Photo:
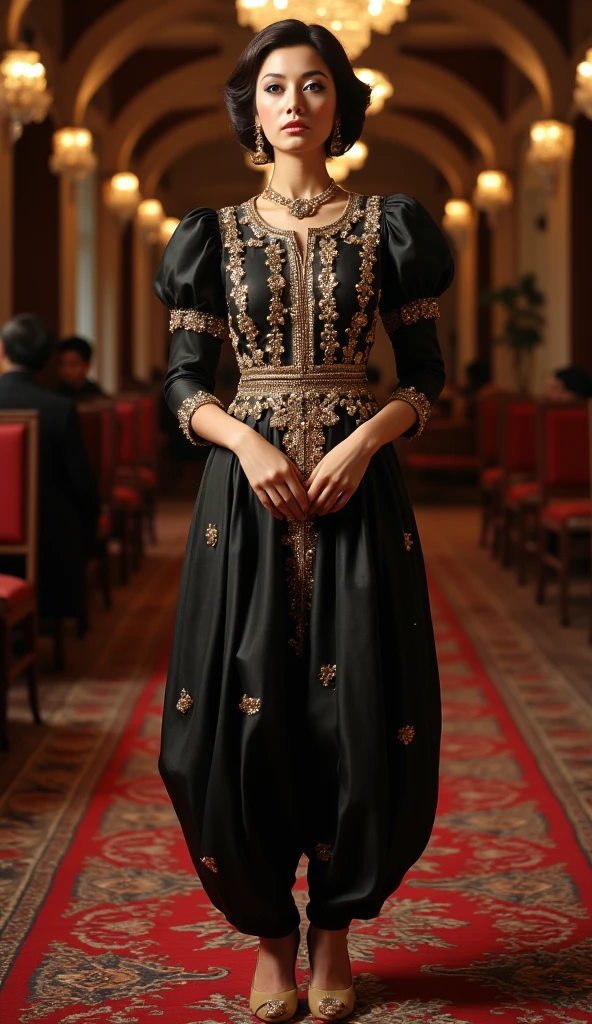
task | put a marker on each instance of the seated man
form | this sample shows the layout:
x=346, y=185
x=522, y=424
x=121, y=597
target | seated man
x=68, y=497
x=571, y=384
x=75, y=360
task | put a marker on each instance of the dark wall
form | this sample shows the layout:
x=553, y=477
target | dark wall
x=36, y=226
x=581, y=235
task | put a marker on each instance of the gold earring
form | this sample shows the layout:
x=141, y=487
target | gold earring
x=336, y=141
x=259, y=156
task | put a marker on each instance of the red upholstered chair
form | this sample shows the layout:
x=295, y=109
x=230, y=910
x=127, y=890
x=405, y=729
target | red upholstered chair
x=490, y=474
x=127, y=495
x=520, y=491
x=565, y=520
x=96, y=419
x=19, y=459
x=148, y=450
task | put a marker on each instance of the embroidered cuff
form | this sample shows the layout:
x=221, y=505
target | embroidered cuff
x=202, y=323
x=421, y=309
x=186, y=410
x=419, y=402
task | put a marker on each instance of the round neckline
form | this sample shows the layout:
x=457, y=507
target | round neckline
x=353, y=199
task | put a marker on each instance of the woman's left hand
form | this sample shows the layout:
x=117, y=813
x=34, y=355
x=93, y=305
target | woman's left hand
x=335, y=478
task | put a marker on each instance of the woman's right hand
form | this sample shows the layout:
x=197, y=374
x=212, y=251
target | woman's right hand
x=276, y=480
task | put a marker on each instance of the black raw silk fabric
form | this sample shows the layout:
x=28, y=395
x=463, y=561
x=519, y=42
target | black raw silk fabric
x=345, y=772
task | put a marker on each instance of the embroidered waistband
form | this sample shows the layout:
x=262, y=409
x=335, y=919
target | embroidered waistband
x=287, y=379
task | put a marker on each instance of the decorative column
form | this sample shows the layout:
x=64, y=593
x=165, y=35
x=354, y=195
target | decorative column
x=503, y=271
x=6, y=223
x=121, y=196
x=559, y=273
x=68, y=255
x=461, y=225
x=142, y=354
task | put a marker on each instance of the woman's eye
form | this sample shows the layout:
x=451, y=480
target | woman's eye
x=317, y=86
x=271, y=87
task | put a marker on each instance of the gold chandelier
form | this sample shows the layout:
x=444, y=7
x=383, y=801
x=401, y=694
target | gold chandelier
x=551, y=148
x=583, y=89
x=352, y=21
x=73, y=155
x=24, y=96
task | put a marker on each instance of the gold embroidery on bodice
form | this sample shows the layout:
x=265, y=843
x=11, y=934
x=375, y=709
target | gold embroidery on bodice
x=303, y=396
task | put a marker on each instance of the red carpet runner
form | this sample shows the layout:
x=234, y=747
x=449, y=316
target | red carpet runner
x=493, y=921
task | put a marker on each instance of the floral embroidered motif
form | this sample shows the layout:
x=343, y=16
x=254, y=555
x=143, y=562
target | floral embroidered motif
x=250, y=705
x=193, y=320
x=185, y=702
x=186, y=410
x=364, y=288
x=407, y=732
x=210, y=863
x=408, y=541
x=212, y=535
x=327, y=305
x=277, y=310
x=419, y=402
x=236, y=248
x=421, y=309
x=323, y=851
x=327, y=674
x=301, y=538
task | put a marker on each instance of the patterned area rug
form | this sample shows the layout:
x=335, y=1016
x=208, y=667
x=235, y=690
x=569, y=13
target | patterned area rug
x=493, y=921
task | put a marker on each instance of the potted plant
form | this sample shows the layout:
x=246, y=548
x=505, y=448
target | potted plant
x=522, y=330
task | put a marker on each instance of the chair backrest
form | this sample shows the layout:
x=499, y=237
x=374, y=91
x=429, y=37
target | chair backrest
x=147, y=405
x=97, y=418
x=487, y=428
x=19, y=486
x=518, y=435
x=127, y=411
x=564, y=449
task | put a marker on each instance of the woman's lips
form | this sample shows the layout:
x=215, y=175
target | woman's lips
x=295, y=129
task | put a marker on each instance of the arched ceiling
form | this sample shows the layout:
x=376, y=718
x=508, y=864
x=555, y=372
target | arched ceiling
x=432, y=102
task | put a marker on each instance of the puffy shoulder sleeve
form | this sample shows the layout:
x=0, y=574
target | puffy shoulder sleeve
x=416, y=267
x=190, y=283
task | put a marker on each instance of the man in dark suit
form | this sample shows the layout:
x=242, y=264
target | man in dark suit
x=74, y=366
x=68, y=497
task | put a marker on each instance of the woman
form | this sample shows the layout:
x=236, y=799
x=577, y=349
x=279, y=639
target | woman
x=302, y=709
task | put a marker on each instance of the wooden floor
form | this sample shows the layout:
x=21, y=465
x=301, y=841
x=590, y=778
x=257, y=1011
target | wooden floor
x=123, y=643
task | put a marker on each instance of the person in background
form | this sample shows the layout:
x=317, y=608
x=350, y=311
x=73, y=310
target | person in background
x=75, y=360
x=68, y=497
x=571, y=384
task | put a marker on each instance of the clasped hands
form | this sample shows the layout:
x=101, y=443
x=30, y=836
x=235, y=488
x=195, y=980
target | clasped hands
x=281, y=488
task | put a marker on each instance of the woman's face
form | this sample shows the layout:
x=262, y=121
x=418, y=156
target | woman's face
x=295, y=99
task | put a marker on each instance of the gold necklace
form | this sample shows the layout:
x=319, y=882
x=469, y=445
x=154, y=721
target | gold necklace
x=302, y=207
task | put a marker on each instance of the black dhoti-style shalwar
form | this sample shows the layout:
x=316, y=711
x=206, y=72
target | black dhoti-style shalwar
x=302, y=708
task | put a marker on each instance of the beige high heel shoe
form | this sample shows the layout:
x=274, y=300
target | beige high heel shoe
x=329, y=1004
x=275, y=1006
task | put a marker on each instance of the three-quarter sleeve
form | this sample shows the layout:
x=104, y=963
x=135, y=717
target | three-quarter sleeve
x=190, y=283
x=416, y=267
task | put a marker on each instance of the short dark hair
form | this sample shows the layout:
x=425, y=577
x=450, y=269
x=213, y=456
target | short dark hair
x=28, y=341
x=77, y=344
x=353, y=95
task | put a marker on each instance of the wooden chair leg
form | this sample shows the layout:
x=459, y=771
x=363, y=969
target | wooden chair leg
x=541, y=566
x=485, y=517
x=32, y=670
x=565, y=559
x=4, y=678
x=506, y=544
x=521, y=538
x=59, y=662
x=105, y=576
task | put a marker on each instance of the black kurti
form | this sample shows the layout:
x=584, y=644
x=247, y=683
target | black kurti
x=302, y=709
